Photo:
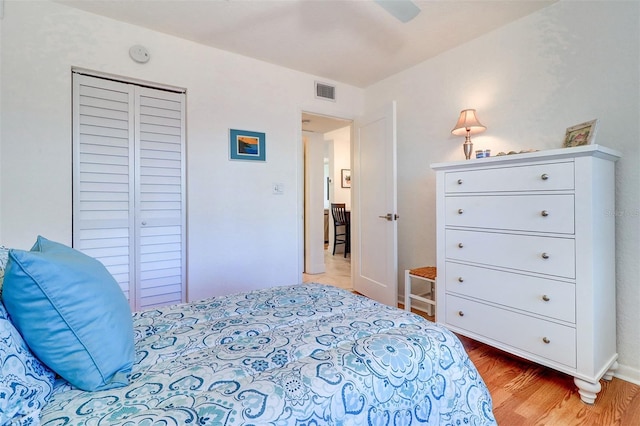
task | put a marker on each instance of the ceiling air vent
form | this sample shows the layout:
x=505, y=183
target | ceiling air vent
x=325, y=91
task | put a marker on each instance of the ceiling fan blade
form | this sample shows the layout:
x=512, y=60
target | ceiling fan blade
x=403, y=10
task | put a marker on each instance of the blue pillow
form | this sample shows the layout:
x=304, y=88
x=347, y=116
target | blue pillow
x=25, y=384
x=72, y=314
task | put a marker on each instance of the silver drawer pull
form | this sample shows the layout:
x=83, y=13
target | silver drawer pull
x=545, y=298
x=544, y=213
x=545, y=256
x=460, y=211
x=546, y=340
x=460, y=279
x=459, y=181
x=460, y=313
x=544, y=176
x=460, y=245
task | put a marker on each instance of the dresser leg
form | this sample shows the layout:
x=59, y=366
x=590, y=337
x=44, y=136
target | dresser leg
x=588, y=391
x=610, y=372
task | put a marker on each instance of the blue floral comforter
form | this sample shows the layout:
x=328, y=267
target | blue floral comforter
x=296, y=355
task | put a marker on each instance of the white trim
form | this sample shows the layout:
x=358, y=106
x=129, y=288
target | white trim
x=123, y=79
x=628, y=374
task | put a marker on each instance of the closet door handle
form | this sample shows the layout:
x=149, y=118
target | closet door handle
x=460, y=211
x=544, y=213
x=460, y=245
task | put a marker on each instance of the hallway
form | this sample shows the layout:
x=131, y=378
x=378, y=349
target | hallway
x=337, y=271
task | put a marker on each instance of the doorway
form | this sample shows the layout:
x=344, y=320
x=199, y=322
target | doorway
x=327, y=148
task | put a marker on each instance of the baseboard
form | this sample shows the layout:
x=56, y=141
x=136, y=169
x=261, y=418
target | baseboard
x=628, y=374
x=318, y=268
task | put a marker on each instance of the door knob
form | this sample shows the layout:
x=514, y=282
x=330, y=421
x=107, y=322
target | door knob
x=388, y=216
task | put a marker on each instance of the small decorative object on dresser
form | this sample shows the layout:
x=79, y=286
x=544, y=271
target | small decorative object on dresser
x=526, y=257
x=581, y=134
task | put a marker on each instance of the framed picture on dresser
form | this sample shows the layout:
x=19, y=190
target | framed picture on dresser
x=580, y=134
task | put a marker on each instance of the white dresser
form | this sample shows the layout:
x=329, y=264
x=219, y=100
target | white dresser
x=526, y=257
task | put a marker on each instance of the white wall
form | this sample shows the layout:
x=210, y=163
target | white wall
x=240, y=235
x=566, y=64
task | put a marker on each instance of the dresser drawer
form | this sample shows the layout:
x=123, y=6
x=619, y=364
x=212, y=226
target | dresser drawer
x=550, y=298
x=544, y=255
x=538, y=213
x=534, y=177
x=539, y=337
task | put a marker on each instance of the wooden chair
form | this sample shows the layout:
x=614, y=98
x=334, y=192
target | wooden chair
x=341, y=227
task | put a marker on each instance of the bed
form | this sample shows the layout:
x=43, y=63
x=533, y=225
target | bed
x=307, y=354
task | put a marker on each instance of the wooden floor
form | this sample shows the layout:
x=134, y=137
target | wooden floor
x=525, y=393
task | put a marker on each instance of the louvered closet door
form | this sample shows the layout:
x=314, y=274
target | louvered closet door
x=103, y=171
x=129, y=186
x=160, y=202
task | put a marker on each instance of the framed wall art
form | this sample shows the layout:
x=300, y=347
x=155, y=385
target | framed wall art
x=246, y=145
x=345, y=175
x=580, y=134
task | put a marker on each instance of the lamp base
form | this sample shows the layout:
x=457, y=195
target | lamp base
x=467, y=146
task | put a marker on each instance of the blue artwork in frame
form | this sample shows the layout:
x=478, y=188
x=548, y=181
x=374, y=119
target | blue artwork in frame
x=245, y=145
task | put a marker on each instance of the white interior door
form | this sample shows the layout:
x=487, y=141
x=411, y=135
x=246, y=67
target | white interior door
x=103, y=176
x=160, y=197
x=313, y=203
x=374, y=230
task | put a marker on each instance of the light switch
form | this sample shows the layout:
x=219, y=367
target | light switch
x=278, y=188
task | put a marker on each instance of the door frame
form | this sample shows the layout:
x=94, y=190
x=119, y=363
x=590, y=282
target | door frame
x=137, y=88
x=301, y=171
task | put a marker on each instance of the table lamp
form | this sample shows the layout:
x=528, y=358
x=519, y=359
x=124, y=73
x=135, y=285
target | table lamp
x=468, y=123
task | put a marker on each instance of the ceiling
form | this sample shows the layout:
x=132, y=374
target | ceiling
x=350, y=41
